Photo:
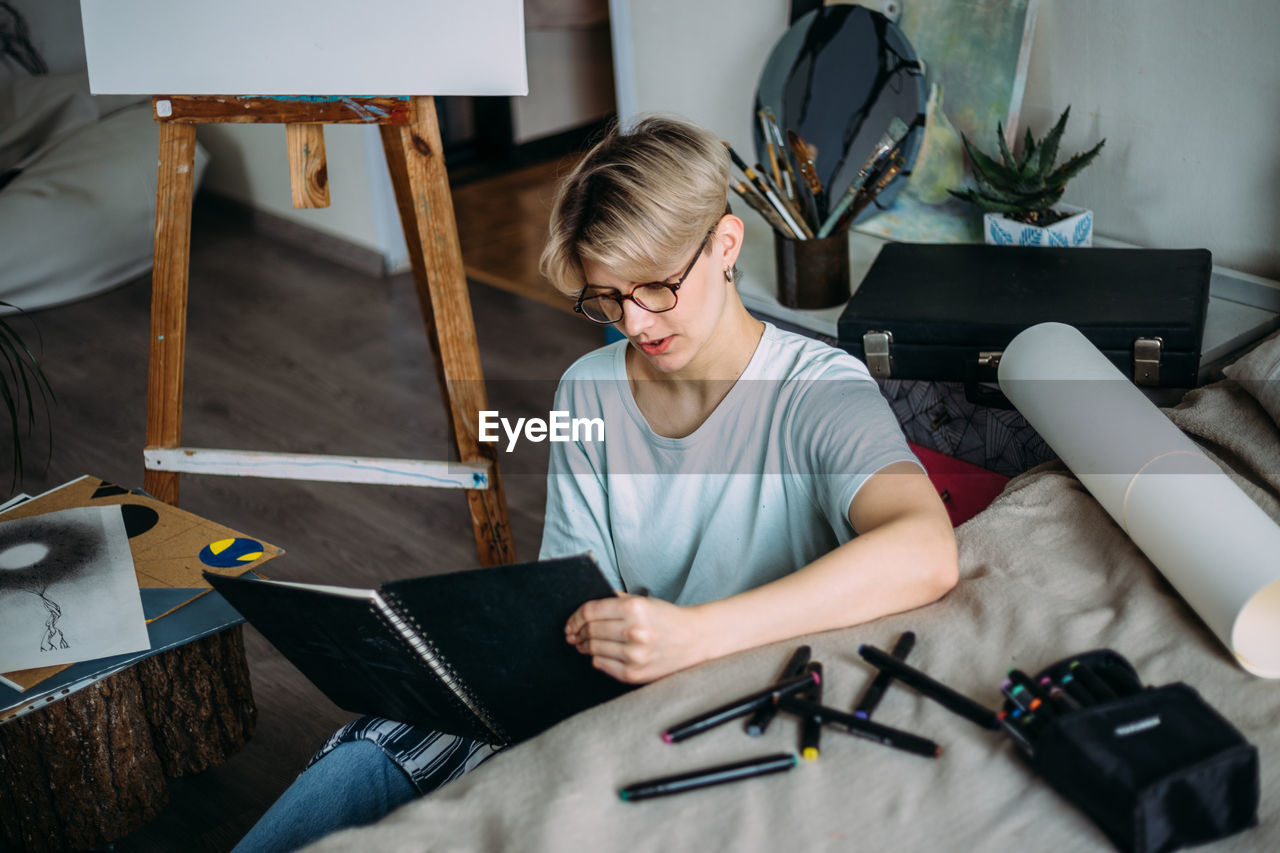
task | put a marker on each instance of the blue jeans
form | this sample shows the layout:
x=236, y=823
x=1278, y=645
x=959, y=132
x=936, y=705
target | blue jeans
x=353, y=785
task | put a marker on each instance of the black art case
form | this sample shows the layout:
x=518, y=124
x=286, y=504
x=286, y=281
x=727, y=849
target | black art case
x=1156, y=768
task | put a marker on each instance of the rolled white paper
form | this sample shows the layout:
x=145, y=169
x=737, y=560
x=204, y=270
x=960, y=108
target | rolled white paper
x=1217, y=548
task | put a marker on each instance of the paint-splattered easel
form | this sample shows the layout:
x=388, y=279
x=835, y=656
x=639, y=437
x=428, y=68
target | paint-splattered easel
x=411, y=140
x=93, y=766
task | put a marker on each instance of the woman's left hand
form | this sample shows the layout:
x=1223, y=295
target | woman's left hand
x=637, y=639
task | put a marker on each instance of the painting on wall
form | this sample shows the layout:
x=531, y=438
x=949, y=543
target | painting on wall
x=976, y=54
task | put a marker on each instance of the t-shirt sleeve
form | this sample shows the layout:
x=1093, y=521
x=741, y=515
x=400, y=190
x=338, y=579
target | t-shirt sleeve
x=841, y=432
x=577, y=517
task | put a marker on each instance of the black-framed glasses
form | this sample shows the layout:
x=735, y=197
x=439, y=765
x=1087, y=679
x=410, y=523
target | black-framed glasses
x=655, y=297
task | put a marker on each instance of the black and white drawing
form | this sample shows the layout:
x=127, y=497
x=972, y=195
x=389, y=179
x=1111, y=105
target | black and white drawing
x=68, y=591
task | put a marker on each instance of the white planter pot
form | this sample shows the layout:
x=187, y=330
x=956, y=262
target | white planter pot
x=1074, y=231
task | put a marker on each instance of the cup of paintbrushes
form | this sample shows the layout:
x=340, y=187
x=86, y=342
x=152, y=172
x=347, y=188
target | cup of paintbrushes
x=812, y=273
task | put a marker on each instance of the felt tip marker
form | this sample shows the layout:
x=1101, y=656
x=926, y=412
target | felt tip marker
x=865, y=729
x=1019, y=739
x=875, y=691
x=1076, y=690
x=1019, y=677
x=1060, y=698
x=765, y=713
x=811, y=724
x=946, y=697
x=709, y=776
x=740, y=707
x=1091, y=681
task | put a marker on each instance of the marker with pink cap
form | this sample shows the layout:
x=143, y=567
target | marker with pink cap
x=740, y=707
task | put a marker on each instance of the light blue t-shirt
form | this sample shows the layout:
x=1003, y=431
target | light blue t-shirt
x=760, y=489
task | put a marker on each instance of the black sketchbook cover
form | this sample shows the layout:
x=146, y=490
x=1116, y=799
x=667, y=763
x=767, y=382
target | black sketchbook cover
x=479, y=653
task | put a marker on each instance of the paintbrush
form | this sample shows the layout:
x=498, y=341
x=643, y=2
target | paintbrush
x=880, y=154
x=809, y=185
x=789, y=178
x=758, y=204
x=797, y=215
x=889, y=173
x=768, y=147
x=770, y=196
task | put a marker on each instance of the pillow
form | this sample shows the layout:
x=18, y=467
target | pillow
x=1259, y=374
x=80, y=218
x=34, y=111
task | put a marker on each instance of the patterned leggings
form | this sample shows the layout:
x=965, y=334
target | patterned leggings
x=429, y=758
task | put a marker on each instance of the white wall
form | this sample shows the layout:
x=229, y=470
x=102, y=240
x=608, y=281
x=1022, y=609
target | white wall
x=570, y=81
x=250, y=164
x=1186, y=92
x=700, y=59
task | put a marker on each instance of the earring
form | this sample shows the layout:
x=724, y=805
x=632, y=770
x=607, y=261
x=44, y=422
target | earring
x=728, y=274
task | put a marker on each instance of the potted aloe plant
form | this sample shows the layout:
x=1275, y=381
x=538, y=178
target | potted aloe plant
x=1020, y=195
x=21, y=381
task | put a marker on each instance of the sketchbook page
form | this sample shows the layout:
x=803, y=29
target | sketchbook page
x=345, y=591
x=1217, y=548
x=68, y=592
x=202, y=617
x=171, y=547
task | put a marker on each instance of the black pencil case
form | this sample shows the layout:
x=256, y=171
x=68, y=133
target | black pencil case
x=1156, y=768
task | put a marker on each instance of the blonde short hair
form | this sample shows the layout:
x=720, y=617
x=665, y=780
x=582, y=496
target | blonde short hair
x=638, y=203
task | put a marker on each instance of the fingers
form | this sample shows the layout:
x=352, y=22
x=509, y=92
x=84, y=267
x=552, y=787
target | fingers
x=625, y=672
x=604, y=610
x=619, y=635
x=623, y=661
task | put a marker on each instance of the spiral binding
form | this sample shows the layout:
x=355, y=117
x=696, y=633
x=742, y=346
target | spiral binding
x=416, y=639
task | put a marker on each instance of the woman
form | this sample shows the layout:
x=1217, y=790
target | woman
x=753, y=481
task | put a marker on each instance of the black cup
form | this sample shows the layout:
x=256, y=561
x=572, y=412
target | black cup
x=812, y=273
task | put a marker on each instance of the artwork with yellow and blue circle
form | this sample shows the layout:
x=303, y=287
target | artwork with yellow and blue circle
x=229, y=553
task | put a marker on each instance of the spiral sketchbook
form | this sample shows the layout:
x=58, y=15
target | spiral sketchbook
x=478, y=653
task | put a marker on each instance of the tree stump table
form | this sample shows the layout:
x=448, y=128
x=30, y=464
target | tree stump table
x=93, y=766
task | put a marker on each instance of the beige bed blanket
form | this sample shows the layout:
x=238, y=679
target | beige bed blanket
x=1044, y=573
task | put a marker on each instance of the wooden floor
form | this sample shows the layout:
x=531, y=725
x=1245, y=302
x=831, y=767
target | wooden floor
x=502, y=223
x=289, y=352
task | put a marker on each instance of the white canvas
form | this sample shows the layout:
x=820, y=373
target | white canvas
x=68, y=591
x=305, y=47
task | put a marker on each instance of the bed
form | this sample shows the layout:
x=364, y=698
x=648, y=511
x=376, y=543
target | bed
x=1044, y=573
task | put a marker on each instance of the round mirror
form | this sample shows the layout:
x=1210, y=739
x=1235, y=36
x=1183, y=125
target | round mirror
x=836, y=81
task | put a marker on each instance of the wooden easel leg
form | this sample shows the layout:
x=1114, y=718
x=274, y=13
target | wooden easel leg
x=415, y=158
x=174, y=183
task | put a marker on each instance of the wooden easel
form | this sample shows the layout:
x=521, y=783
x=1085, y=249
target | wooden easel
x=411, y=140
x=92, y=767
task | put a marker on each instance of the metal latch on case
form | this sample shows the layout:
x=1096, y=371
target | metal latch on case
x=1146, y=360
x=875, y=351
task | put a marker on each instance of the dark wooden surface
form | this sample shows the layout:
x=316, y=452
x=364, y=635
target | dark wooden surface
x=289, y=352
